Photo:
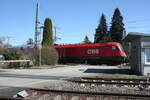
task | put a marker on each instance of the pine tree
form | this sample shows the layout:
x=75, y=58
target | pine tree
x=47, y=33
x=101, y=31
x=117, y=26
x=86, y=40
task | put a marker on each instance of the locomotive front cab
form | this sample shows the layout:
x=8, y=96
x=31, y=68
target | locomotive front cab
x=122, y=55
x=117, y=53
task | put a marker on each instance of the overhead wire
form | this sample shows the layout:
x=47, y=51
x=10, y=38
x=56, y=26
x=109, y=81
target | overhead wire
x=130, y=25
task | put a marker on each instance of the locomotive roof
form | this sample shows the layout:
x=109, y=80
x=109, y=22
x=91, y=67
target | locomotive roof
x=91, y=44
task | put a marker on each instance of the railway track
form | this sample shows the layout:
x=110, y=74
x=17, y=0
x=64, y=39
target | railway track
x=119, y=95
x=89, y=89
x=110, y=81
x=48, y=94
x=114, y=83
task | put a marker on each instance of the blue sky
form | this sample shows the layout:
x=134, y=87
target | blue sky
x=75, y=18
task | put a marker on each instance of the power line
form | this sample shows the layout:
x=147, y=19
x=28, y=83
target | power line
x=138, y=21
x=115, y=3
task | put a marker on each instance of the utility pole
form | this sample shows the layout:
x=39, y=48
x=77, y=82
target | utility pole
x=38, y=34
x=55, y=34
x=37, y=31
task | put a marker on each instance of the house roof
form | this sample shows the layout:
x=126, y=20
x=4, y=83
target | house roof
x=134, y=35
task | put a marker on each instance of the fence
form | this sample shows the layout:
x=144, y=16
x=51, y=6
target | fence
x=15, y=63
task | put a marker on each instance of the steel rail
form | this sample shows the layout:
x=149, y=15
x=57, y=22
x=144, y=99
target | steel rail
x=117, y=79
x=118, y=83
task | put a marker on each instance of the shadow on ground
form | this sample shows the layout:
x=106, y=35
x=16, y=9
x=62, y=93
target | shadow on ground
x=109, y=71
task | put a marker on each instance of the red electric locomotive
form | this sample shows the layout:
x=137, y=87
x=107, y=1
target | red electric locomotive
x=97, y=53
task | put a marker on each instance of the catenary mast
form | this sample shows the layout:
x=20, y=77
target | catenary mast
x=37, y=30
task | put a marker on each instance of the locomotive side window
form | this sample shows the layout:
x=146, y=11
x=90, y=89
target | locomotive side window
x=114, y=48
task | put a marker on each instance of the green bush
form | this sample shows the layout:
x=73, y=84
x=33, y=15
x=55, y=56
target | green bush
x=33, y=55
x=49, y=55
x=12, y=55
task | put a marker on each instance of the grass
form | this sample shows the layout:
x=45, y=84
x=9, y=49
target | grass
x=124, y=67
x=119, y=76
x=1, y=70
x=45, y=67
x=32, y=67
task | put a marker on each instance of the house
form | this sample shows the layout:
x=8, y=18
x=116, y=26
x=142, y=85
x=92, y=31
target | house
x=140, y=52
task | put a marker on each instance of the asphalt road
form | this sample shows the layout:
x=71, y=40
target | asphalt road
x=27, y=77
x=37, y=77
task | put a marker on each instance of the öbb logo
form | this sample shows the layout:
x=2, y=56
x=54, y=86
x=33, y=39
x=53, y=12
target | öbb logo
x=93, y=51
